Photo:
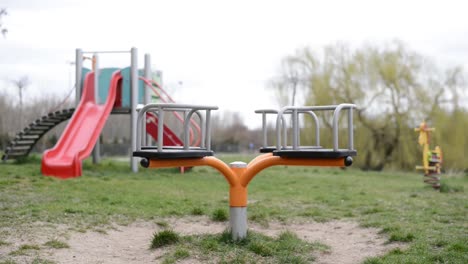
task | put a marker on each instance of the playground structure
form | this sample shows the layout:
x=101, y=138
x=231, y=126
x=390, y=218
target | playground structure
x=99, y=92
x=431, y=159
x=239, y=174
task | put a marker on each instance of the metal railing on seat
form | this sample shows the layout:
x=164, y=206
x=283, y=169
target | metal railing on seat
x=160, y=151
x=295, y=149
x=265, y=112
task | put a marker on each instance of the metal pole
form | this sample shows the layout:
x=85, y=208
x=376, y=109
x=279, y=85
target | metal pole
x=350, y=129
x=133, y=105
x=147, y=94
x=96, y=77
x=78, y=69
x=97, y=146
x=238, y=214
x=264, y=128
x=186, y=129
x=295, y=128
x=160, y=129
x=208, y=130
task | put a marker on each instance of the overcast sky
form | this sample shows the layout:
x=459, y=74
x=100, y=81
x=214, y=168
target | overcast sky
x=215, y=52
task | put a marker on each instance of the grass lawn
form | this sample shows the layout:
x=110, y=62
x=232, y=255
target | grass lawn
x=433, y=224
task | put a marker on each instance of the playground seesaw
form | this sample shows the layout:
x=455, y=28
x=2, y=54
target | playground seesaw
x=239, y=174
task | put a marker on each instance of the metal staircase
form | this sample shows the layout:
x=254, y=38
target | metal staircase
x=25, y=140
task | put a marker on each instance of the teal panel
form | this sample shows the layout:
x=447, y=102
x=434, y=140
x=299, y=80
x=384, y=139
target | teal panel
x=105, y=75
x=104, y=81
x=126, y=87
x=84, y=71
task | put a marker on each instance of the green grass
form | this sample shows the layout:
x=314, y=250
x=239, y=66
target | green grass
x=7, y=261
x=4, y=243
x=219, y=215
x=197, y=211
x=431, y=223
x=54, y=243
x=164, y=238
x=175, y=255
x=447, y=188
x=255, y=248
x=24, y=250
x=42, y=261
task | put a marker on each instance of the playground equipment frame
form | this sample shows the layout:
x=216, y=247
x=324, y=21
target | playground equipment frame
x=239, y=174
x=79, y=56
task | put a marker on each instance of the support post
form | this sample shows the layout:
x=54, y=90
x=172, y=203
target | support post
x=133, y=105
x=350, y=129
x=264, y=128
x=238, y=214
x=147, y=94
x=96, y=77
x=295, y=127
x=97, y=146
x=78, y=77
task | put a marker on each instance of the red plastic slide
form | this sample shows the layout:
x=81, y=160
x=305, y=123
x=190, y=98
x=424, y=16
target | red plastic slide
x=82, y=132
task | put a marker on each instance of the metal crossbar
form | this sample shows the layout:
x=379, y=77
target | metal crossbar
x=294, y=111
x=106, y=51
x=310, y=109
x=189, y=111
x=265, y=112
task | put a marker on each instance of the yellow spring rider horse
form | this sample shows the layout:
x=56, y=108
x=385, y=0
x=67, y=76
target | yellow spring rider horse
x=432, y=159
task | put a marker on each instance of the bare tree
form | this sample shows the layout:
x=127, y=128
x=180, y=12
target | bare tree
x=290, y=80
x=3, y=30
x=21, y=83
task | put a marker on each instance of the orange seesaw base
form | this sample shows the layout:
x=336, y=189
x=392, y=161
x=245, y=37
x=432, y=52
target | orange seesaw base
x=239, y=177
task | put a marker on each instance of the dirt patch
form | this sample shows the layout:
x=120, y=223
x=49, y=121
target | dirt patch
x=349, y=243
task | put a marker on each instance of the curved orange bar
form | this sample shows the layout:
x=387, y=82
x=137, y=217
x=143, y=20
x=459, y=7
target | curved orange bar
x=239, y=178
x=206, y=161
x=237, y=192
x=260, y=157
x=222, y=167
x=255, y=167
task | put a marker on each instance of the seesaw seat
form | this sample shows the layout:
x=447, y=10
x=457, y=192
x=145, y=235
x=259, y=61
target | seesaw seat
x=270, y=149
x=295, y=150
x=315, y=153
x=172, y=153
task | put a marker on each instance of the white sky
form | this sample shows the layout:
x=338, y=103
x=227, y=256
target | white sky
x=223, y=52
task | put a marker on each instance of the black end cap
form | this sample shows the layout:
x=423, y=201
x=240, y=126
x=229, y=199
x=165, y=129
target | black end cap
x=144, y=163
x=348, y=161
